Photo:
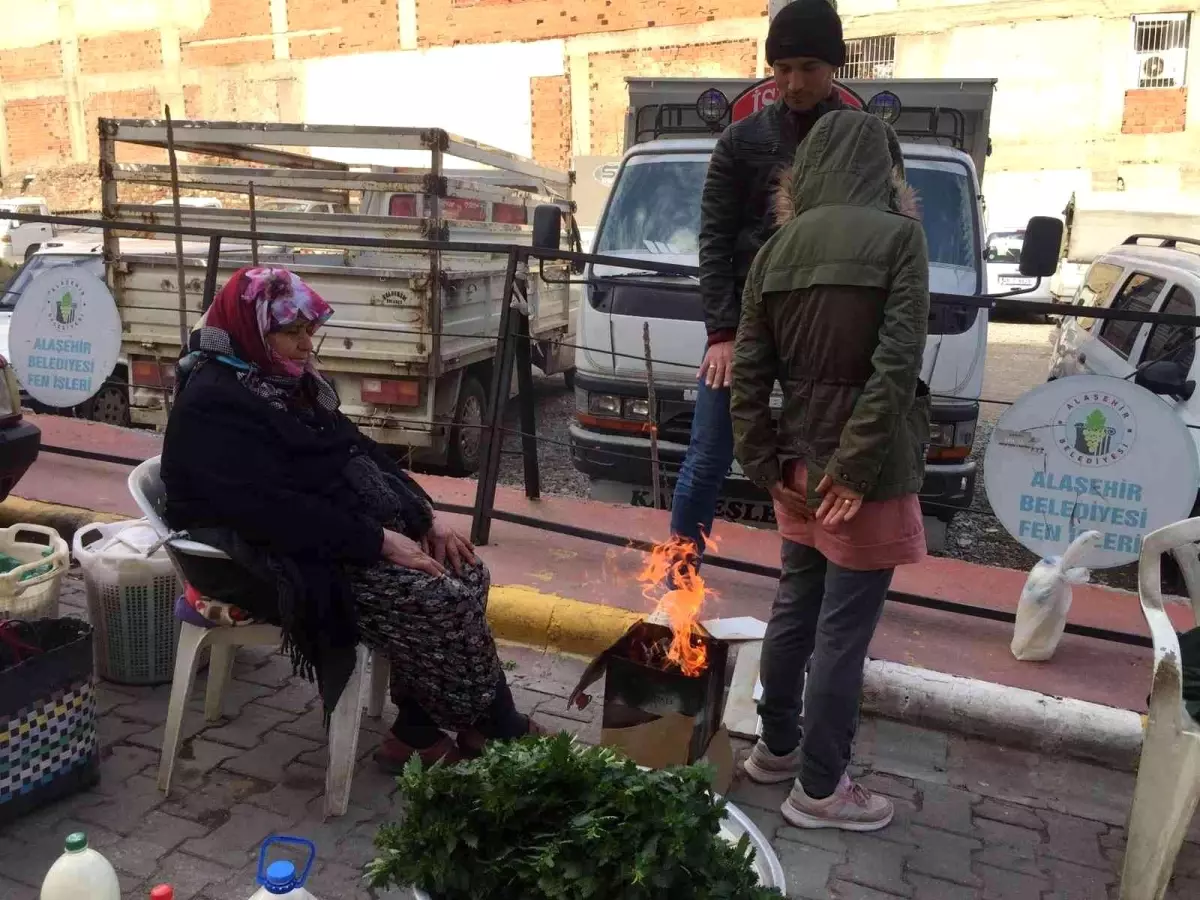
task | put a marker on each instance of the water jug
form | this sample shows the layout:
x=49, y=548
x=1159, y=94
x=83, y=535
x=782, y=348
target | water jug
x=279, y=878
x=80, y=874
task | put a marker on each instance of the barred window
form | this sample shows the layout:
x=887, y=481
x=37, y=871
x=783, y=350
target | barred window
x=1160, y=50
x=870, y=57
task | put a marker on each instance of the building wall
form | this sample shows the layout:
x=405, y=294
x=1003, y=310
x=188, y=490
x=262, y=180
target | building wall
x=545, y=77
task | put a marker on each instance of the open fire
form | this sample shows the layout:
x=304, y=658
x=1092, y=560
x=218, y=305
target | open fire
x=672, y=583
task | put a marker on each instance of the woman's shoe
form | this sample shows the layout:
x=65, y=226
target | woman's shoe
x=471, y=741
x=393, y=754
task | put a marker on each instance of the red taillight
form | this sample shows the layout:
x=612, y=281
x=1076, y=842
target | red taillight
x=510, y=214
x=391, y=392
x=402, y=205
x=463, y=209
x=148, y=373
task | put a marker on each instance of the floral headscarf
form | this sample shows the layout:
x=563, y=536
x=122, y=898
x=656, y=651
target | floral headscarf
x=257, y=302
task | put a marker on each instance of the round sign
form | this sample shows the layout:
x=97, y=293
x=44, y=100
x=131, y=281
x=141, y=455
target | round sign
x=64, y=337
x=1090, y=453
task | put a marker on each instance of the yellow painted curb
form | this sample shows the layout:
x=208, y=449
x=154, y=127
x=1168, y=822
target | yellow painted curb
x=517, y=614
x=524, y=615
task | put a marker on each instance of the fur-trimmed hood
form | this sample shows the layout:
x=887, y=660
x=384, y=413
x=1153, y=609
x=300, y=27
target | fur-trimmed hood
x=850, y=158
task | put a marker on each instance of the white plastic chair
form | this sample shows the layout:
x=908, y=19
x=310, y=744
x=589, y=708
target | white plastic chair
x=145, y=484
x=1168, y=782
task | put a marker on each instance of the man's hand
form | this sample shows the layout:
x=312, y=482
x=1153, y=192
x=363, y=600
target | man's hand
x=793, y=502
x=446, y=545
x=717, y=369
x=838, y=503
x=407, y=553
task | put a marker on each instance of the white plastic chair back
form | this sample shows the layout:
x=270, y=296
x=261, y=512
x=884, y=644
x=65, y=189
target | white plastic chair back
x=150, y=495
x=1168, y=784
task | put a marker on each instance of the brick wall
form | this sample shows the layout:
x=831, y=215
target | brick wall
x=550, y=115
x=229, y=19
x=122, y=105
x=127, y=51
x=442, y=22
x=360, y=26
x=1155, y=111
x=610, y=97
x=38, y=132
x=31, y=63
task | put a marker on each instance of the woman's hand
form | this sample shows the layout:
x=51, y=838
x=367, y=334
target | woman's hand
x=793, y=501
x=838, y=503
x=407, y=553
x=446, y=545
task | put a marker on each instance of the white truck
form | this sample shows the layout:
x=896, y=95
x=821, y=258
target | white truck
x=653, y=213
x=411, y=345
x=19, y=240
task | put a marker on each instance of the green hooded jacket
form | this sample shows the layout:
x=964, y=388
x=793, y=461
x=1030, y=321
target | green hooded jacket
x=836, y=308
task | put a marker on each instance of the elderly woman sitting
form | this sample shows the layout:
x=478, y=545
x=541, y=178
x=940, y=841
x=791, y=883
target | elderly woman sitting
x=333, y=541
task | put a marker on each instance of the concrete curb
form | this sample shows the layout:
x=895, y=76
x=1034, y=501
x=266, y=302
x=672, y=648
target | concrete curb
x=1013, y=716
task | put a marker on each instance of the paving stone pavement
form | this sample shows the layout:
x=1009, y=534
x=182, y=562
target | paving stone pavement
x=974, y=821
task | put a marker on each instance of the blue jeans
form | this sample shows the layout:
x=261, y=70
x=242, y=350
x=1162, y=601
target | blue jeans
x=709, y=456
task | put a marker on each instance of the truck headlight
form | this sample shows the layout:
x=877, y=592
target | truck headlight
x=604, y=405
x=636, y=408
x=950, y=441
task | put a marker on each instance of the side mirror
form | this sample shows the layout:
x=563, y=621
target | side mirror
x=1166, y=377
x=547, y=227
x=1040, y=249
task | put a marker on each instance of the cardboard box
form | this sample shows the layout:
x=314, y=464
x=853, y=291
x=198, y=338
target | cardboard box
x=662, y=718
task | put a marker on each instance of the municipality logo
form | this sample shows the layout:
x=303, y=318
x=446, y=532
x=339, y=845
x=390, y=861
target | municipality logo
x=1094, y=429
x=65, y=308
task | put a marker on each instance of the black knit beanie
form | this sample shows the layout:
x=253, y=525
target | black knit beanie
x=807, y=28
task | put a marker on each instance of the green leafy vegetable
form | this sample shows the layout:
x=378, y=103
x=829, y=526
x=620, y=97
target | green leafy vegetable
x=550, y=818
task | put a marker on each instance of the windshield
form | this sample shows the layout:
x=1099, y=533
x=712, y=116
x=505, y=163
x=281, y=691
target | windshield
x=1005, y=246
x=40, y=263
x=947, y=200
x=655, y=207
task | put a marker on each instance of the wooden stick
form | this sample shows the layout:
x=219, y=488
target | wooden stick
x=253, y=229
x=183, y=328
x=652, y=415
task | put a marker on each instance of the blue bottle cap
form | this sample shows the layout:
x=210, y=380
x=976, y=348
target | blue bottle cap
x=281, y=877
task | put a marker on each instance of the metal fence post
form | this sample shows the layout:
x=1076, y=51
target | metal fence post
x=493, y=435
x=525, y=397
x=210, y=274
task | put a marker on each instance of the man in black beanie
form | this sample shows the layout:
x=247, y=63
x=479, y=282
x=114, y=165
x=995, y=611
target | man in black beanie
x=804, y=48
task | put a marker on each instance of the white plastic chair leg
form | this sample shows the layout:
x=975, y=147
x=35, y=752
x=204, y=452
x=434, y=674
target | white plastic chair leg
x=1164, y=801
x=380, y=672
x=192, y=640
x=220, y=671
x=343, y=740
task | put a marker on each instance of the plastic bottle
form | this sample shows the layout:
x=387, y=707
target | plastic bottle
x=80, y=874
x=279, y=879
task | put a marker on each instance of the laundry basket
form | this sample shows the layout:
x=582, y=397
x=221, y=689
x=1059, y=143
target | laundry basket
x=131, y=601
x=30, y=591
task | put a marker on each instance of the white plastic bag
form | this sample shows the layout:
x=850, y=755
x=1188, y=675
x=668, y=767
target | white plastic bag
x=1045, y=600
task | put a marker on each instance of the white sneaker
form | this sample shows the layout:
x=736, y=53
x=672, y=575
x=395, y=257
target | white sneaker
x=851, y=808
x=764, y=767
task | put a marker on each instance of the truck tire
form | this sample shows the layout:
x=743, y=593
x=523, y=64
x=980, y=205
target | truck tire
x=465, y=451
x=110, y=406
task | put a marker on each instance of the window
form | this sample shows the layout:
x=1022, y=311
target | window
x=655, y=206
x=1160, y=49
x=869, y=58
x=1173, y=342
x=1096, y=289
x=1005, y=246
x=402, y=205
x=1138, y=295
x=948, y=215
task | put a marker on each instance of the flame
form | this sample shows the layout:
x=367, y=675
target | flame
x=674, y=563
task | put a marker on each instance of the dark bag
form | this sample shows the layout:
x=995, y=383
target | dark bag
x=48, y=742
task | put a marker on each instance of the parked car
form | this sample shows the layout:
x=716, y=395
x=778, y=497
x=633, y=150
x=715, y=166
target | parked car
x=20, y=440
x=1003, y=255
x=1145, y=274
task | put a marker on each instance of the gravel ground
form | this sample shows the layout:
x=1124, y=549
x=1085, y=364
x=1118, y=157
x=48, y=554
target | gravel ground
x=1018, y=357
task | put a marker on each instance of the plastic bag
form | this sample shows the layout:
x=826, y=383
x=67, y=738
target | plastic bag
x=1045, y=600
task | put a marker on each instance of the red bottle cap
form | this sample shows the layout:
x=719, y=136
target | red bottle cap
x=163, y=892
